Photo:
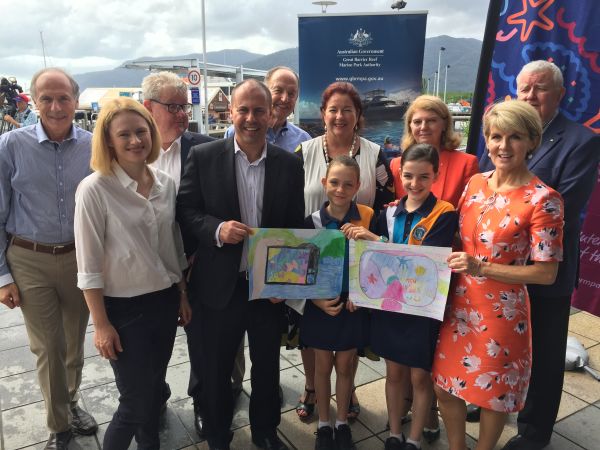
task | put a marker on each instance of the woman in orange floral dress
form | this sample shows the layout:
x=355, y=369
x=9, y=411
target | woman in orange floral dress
x=507, y=216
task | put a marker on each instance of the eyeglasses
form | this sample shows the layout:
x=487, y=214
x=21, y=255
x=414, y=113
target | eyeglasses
x=174, y=108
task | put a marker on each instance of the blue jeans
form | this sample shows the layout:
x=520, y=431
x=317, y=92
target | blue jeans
x=146, y=325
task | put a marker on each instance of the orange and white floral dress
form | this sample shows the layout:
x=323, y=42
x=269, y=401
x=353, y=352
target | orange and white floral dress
x=483, y=353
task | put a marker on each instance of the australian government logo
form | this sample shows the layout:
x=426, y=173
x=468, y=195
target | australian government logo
x=360, y=38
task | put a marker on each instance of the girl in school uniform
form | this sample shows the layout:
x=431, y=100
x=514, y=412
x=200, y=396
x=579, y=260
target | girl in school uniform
x=407, y=342
x=334, y=328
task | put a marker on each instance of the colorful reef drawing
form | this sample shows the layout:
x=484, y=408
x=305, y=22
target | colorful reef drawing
x=399, y=278
x=295, y=264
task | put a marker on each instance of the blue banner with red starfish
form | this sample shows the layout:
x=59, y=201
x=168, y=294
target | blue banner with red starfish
x=566, y=32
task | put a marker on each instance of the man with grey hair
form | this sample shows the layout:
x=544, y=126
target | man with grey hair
x=40, y=169
x=283, y=83
x=166, y=97
x=567, y=161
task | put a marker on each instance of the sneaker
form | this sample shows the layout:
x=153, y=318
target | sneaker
x=393, y=443
x=343, y=438
x=324, y=439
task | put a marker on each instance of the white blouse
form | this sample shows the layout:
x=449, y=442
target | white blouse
x=126, y=244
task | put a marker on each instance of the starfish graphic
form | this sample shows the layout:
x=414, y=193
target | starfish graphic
x=544, y=23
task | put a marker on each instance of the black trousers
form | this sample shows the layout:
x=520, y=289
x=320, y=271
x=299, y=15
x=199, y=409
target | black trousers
x=220, y=334
x=549, y=329
x=146, y=325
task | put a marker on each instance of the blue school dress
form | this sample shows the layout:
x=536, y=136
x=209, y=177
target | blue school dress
x=404, y=338
x=347, y=330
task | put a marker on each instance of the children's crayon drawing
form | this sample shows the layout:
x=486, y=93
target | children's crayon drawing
x=289, y=263
x=409, y=279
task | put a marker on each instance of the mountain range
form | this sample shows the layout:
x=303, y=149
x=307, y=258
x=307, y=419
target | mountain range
x=462, y=54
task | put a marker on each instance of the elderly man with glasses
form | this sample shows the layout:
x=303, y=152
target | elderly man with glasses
x=165, y=96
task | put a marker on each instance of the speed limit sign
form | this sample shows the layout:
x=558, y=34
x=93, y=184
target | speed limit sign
x=194, y=77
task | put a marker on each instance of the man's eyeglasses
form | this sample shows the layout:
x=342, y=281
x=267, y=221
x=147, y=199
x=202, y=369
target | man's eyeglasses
x=174, y=108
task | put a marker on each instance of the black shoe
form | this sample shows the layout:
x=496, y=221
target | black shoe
x=280, y=397
x=409, y=446
x=393, y=443
x=82, y=422
x=473, y=413
x=519, y=442
x=343, y=438
x=431, y=435
x=324, y=439
x=59, y=441
x=166, y=394
x=270, y=443
x=198, y=424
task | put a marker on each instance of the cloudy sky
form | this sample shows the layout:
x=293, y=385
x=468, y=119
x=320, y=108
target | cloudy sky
x=83, y=36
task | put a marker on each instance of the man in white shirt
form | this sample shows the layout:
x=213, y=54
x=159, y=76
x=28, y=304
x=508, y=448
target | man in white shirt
x=166, y=97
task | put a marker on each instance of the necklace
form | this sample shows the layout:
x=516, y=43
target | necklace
x=326, y=153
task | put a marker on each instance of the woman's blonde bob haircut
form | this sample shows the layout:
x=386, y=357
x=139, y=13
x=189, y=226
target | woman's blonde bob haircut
x=450, y=139
x=102, y=153
x=514, y=116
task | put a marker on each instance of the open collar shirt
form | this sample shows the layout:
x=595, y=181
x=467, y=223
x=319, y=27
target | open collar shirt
x=38, y=179
x=169, y=161
x=288, y=137
x=126, y=244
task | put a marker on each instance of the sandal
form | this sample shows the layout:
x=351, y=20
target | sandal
x=304, y=409
x=353, y=408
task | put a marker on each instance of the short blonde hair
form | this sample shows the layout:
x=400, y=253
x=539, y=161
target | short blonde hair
x=514, y=116
x=450, y=138
x=102, y=155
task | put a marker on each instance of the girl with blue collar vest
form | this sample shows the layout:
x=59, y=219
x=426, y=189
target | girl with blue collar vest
x=407, y=342
x=335, y=328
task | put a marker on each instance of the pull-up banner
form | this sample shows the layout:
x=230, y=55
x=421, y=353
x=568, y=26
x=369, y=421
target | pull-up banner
x=380, y=54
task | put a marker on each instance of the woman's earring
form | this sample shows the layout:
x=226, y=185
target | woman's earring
x=530, y=154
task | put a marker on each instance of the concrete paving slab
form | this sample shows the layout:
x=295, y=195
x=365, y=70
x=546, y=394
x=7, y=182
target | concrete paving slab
x=581, y=428
x=20, y=389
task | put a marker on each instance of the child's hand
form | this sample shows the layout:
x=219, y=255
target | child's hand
x=351, y=306
x=331, y=306
x=357, y=232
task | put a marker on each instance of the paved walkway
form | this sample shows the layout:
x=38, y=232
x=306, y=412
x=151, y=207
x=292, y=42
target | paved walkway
x=22, y=422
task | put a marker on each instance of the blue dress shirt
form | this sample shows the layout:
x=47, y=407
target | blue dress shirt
x=38, y=179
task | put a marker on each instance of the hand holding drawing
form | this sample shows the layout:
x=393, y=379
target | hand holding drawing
x=276, y=300
x=351, y=306
x=462, y=262
x=358, y=232
x=331, y=306
x=233, y=232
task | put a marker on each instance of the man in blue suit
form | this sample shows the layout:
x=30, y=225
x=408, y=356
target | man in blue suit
x=566, y=160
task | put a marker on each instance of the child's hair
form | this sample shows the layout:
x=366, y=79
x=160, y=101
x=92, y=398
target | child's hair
x=422, y=152
x=346, y=161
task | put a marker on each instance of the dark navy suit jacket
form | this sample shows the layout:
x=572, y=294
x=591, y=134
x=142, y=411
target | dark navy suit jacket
x=567, y=161
x=188, y=140
x=208, y=196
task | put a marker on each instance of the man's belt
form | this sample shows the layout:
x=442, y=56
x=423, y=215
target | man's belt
x=43, y=248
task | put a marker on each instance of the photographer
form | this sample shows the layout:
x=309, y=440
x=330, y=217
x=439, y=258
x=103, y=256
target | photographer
x=24, y=115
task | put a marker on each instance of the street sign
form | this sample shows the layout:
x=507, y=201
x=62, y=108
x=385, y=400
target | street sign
x=194, y=77
x=195, y=96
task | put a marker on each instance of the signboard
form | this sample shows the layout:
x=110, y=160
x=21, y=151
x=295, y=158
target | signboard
x=195, y=95
x=194, y=77
x=380, y=54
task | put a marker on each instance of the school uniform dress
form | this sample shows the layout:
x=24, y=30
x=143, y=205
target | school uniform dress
x=403, y=338
x=347, y=330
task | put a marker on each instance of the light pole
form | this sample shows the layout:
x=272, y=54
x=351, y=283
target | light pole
x=435, y=81
x=204, y=71
x=428, y=80
x=446, y=81
x=437, y=85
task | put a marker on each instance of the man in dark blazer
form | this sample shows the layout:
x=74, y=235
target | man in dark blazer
x=165, y=96
x=567, y=161
x=230, y=186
